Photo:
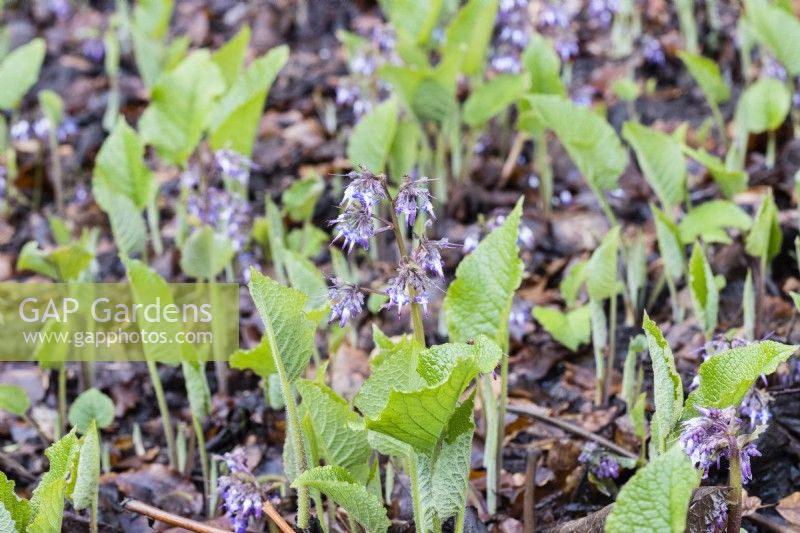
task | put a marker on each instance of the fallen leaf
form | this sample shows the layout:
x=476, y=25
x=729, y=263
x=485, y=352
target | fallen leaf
x=789, y=508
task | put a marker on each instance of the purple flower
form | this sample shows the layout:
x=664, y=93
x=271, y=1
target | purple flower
x=566, y=46
x=225, y=211
x=600, y=463
x=511, y=36
x=354, y=225
x=755, y=407
x=346, y=301
x=410, y=279
x=652, y=51
x=708, y=438
x=553, y=14
x=603, y=10
x=233, y=164
x=412, y=197
x=242, y=496
x=94, y=50
x=720, y=517
x=428, y=255
x=21, y=131
x=364, y=187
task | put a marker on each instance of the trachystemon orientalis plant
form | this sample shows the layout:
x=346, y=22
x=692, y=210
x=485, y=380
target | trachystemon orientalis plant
x=415, y=408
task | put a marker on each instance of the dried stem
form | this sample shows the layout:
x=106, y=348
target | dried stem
x=170, y=519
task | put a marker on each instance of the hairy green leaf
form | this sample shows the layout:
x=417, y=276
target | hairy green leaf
x=763, y=105
x=14, y=399
x=47, y=501
x=16, y=509
x=372, y=137
x=19, y=71
x=305, y=277
x=765, y=238
x=479, y=300
x=709, y=219
x=667, y=386
x=590, y=141
x=85, y=484
x=334, y=423
x=661, y=161
x=491, y=98
x=91, y=405
x=205, y=254
x=571, y=283
x=706, y=73
x=778, y=30
x=234, y=122
x=258, y=359
x=301, y=197
x=727, y=376
x=571, y=329
x=705, y=295
x=543, y=65
x=468, y=35
x=334, y=481
x=669, y=244
x=656, y=498
x=290, y=332
x=601, y=271
x=180, y=105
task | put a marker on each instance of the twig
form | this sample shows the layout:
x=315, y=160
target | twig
x=540, y=414
x=276, y=518
x=528, y=513
x=767, y=524
x=170, y=519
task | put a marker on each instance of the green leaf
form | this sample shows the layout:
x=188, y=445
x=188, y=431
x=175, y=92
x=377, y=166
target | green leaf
x=763, y=105
x=571, y=283
x=709, y=219
x=419, y=416
x=656, y=498
x=194, y=374
x=14, y=399
x=749, y=305
x=667, y=386
x=394, y=368
x=661, y=161
x=372, y=137
x=705, y=295
x=730, y=181
x=334, y=423
x=180, y=105
x=405, y=147
x=669, y=244
x=64, y=263
x=629, y=370
x=91, y=406
x=258, y=359
x=765, y=238
x=19, y=71
x=14, y=508
x=154, y=15
x=601, y=271
x=305, y=277
x=52, y=107
x=706, y=73
x=543, y=65
x=590, y=141
x=491, y=98
x=205, y=254
x=571, y=329
x=86, y=485
x=301, y=197
x=417, y=18
x=334, y=481
x=307, y=241
x=47, y=501
x=123, y=186
x=479, y=300
x=727, y=376
x=234, y=121
x=290, y=332
x=468, y=35
x=230, y=56
x=778, y=30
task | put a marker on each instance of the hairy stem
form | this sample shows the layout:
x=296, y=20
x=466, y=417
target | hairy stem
x=490, y=412
x=153, y=222
x=62, y=400
x=416, y=495
x=770, y=162
x=612, y=348
x=735, y=482
x=542, y=162
x=203, y=455
x=169, y=435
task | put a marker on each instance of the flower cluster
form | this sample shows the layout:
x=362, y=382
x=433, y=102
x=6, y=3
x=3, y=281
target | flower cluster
x=411, y=198
x=555, y=20
x=755, y=407
x=355, y=225
x=40, y=129
x=409, y=285
x=652, y=51
x=226, y=211
x=242, y=496
x=710, y=437
x=603, y=10
x=346, y=301
x=233, y=165
x=600, y=463
x=511, y=35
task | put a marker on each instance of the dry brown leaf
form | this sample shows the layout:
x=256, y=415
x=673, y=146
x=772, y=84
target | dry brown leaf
x=789, y=508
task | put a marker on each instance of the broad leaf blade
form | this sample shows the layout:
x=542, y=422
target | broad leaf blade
x=601, y=271
x=92, y=406
x=47, y=501
x=763, y=105
x=706, y=73
x=661, y=161
x=491, y=98
x=19, y=71
x=710, y=218
x=705, y=295
x=17, y=509
x=667, y=386
x=479, y=300
x=85, y=489
x=571, y=329
x=372, y=137
x=205, y=254
x=656, y=498
x=14, y=399
x=669, y=244
x=778, y=30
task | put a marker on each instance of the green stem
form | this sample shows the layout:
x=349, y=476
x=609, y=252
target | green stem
x=673, y=298
x=612, y=348
x=490, y=412
x=293, y=428
x=720, y=122
x=542, y=162
x=203, y=455
x=416, y=496
x=735, y=482
x=469, y=150
x=687, y=25
x=166, y=423
x=153, y=221
x=55, y=168
x=601, y=199
x=459, y=527
x=770, y=162
x=62, y=399
x=501, y=426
